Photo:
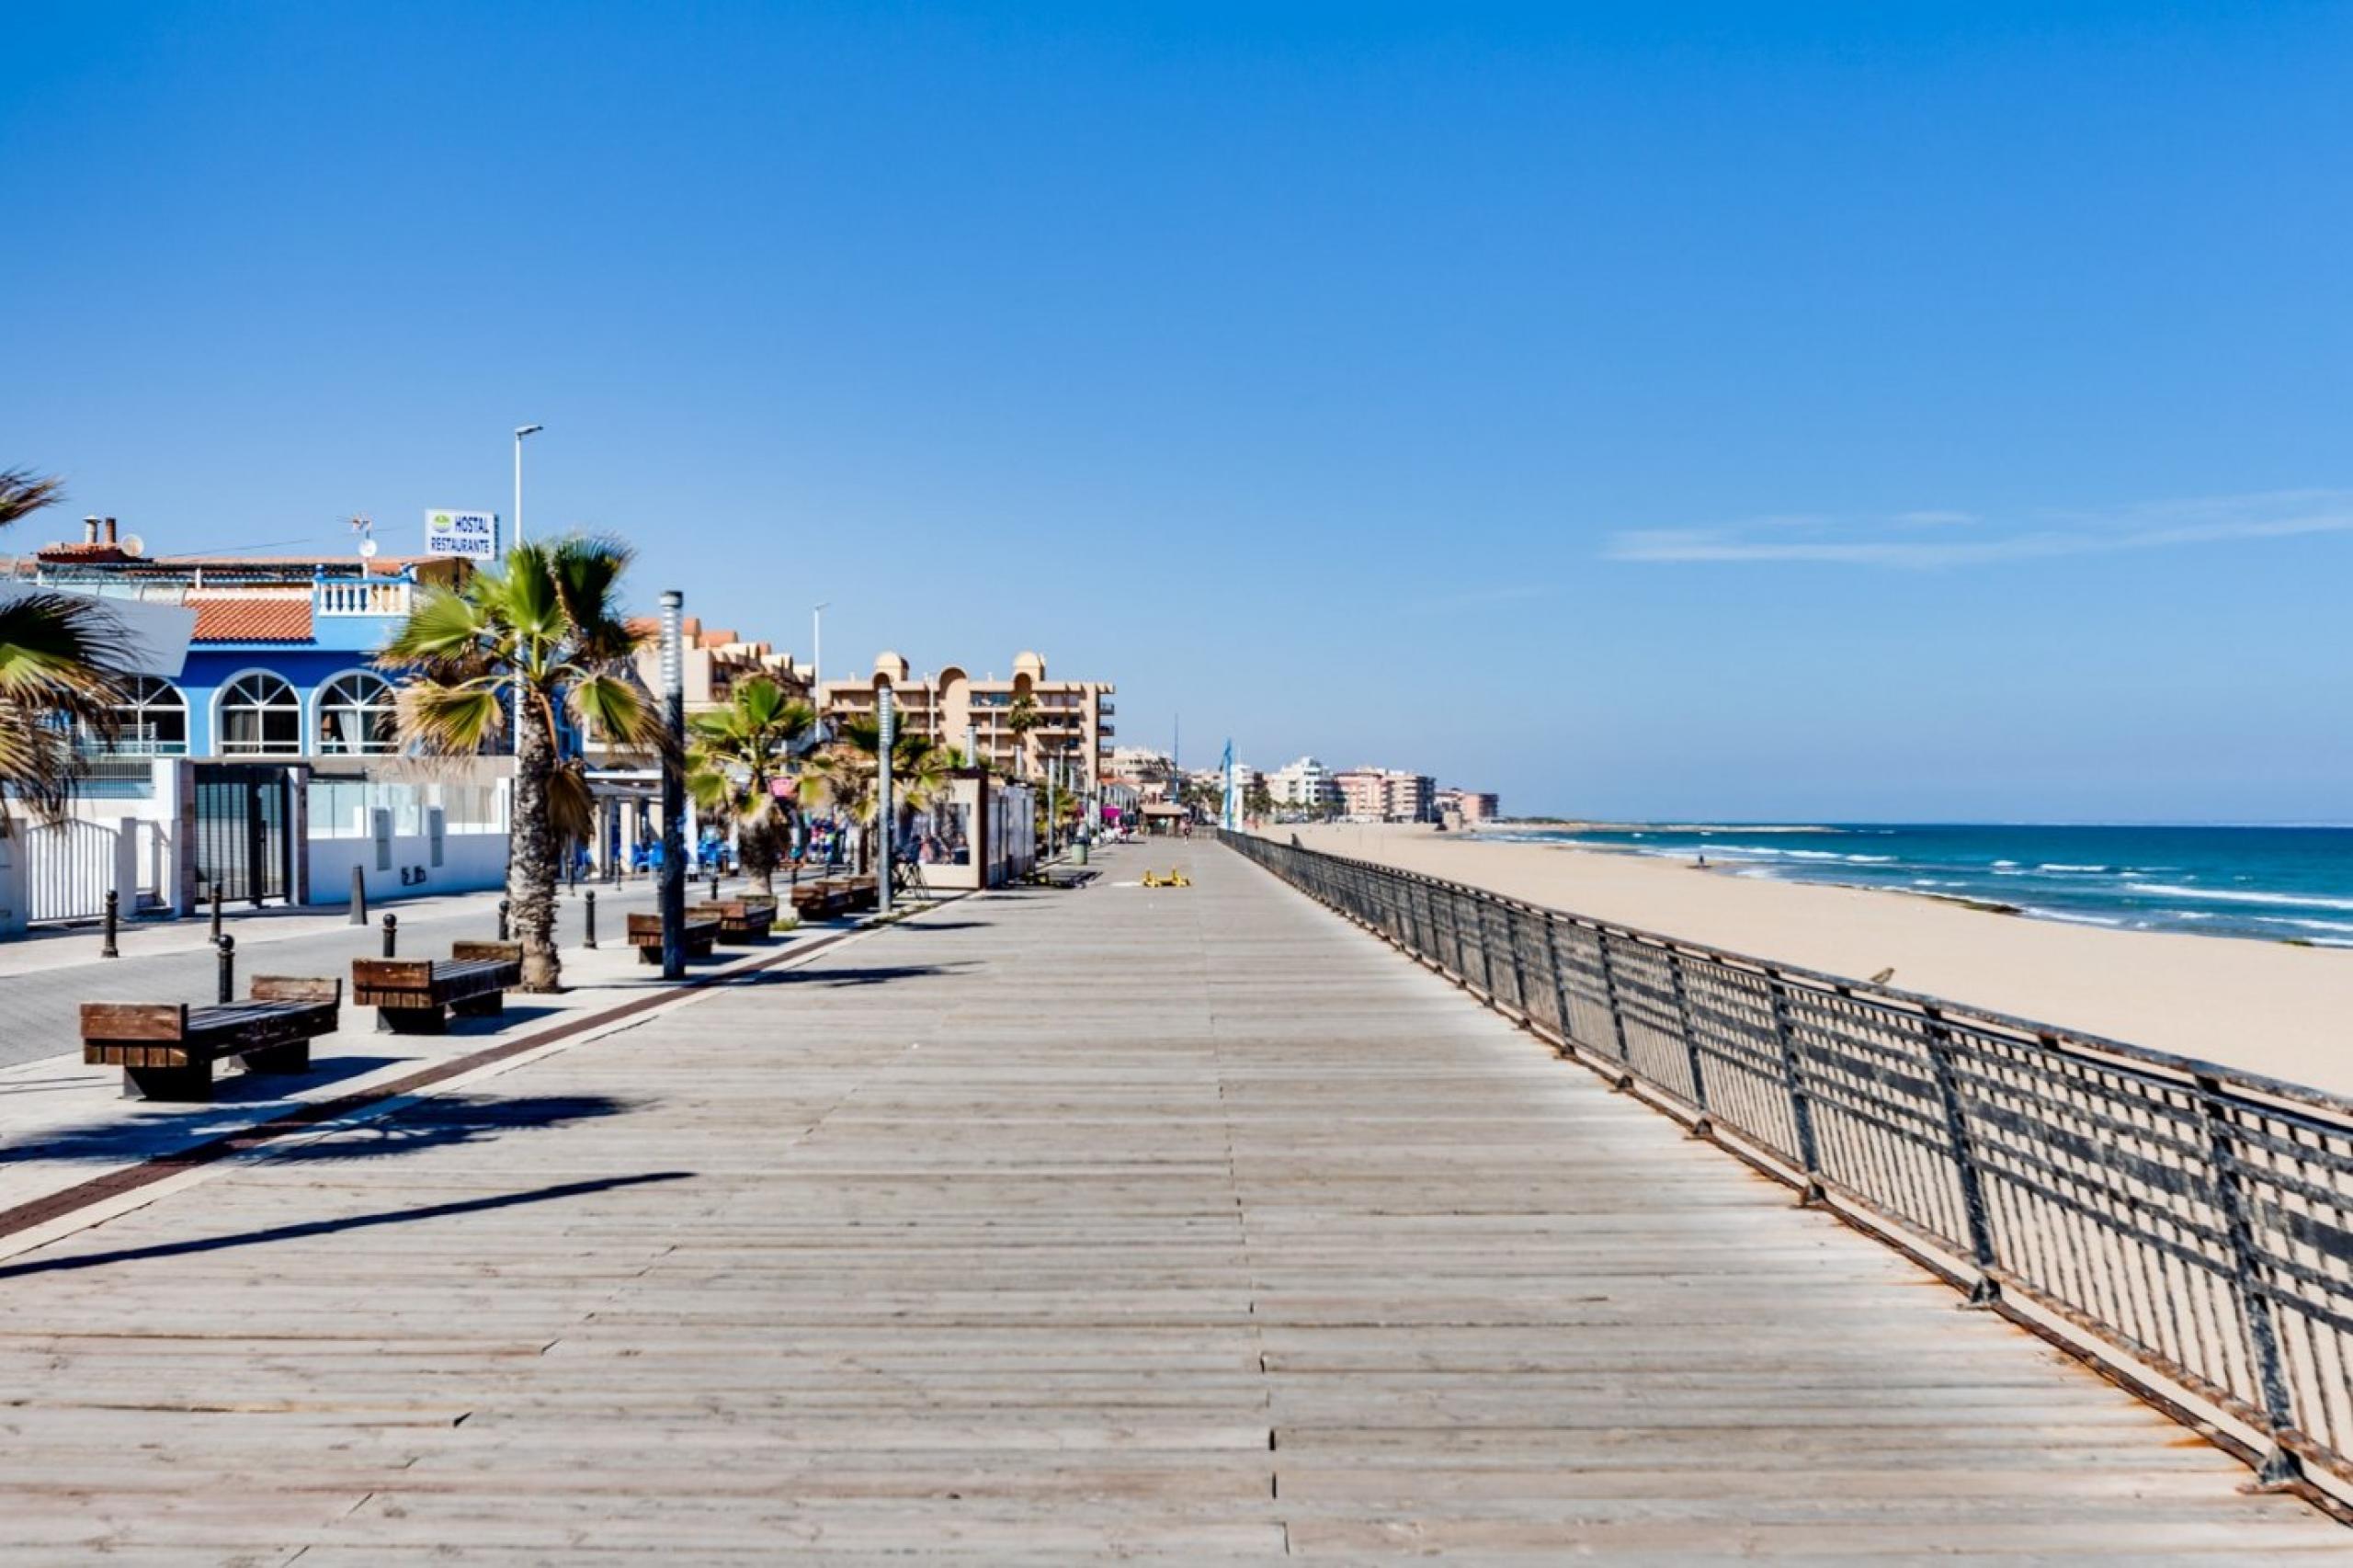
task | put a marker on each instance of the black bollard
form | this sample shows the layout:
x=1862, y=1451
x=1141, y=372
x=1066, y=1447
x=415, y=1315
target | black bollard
x=216, y=911
x=114, y=911
x=392, y=934
x=228, y=946
x=503, y=906
x=589, y=913
x=358, y=896
x=714, y=887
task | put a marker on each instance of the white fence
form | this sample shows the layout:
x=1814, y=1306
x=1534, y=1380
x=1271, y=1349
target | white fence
x=68, y=868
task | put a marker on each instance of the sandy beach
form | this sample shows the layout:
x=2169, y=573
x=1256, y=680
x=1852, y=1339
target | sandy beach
x=2264, y=1007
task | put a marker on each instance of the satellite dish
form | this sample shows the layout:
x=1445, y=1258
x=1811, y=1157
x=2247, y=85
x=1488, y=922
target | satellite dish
x=367, y=550
x=133, y=545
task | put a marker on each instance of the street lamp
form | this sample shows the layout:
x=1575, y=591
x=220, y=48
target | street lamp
x=672, y=894
x=521, y=431
x=817, y=663
x=886, y=731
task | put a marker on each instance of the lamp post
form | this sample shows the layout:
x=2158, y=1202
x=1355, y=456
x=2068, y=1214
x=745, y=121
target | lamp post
x=817, y=664
x=886, y=714
x=673, y=897
x=521, y=431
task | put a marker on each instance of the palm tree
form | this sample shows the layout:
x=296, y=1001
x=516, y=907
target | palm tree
x=1022, y=718
x=847, y=774
x=61, y=657
x=542, y=630
x=735, y=757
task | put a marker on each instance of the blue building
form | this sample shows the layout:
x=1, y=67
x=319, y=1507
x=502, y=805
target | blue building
x=281, y=661
x=266, y=764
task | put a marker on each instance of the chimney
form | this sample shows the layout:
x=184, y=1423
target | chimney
x=109, y=531
x=90, y=530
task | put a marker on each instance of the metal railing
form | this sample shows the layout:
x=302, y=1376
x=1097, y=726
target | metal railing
x=2183, y=1219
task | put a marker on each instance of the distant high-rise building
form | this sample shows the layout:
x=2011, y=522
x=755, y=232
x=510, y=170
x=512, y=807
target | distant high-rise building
x=1305, y=784
x=1386, y=794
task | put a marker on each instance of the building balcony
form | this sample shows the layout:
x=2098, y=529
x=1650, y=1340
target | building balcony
x=388, y=596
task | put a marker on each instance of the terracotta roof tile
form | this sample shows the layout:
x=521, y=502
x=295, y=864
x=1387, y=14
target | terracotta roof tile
x=96, y=552
x=252, y=621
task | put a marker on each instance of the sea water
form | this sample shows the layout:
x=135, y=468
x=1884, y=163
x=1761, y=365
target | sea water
x=2283, y=883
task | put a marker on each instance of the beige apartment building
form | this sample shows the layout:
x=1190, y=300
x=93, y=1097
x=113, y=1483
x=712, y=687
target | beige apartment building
x=1473, y=806
x=1385, y=794
x=714, y=660
x=1073, y=716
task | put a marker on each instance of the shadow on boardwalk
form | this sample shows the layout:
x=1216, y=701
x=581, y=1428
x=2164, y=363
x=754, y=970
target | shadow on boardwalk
x=429, y=1124
x=833, y=978
x=332, y=1227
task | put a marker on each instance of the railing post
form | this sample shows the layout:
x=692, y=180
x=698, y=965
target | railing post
x=1610, y=991
x=1705, y=1125
x=1519, y=965
x=1785, y=1036
x=2280, y=1467
x=227, y=947
x=1560, y=980
x=1479, y=905
x=1986, y=1290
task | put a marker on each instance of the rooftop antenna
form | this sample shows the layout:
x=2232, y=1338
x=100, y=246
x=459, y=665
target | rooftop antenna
x=364, y=528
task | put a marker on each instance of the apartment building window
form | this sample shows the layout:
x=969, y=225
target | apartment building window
x=356, y=714
x=259, y=714
x=151, y=721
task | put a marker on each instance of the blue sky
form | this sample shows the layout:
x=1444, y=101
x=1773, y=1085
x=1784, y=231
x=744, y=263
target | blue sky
x=1871, y=411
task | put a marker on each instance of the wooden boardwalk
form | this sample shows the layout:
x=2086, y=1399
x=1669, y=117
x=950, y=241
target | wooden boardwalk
x=1191, y=1224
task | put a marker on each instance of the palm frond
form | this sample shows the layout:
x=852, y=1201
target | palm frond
x=584, y=573
x=572, y=804
x=22, y=494
x=445, y=630
x=63, y=648
x=451, y=719
x=39, y=762
x=616, y=707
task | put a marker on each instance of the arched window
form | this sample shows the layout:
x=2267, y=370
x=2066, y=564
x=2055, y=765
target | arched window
x=259, y=714
x=356, y=714
x=150, y=720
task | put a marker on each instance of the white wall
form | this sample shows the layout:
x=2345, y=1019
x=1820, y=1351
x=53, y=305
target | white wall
x=469, y=862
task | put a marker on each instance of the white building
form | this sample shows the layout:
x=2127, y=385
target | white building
x=1305, y=784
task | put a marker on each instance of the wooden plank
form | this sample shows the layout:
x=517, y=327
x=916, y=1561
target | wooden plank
x=296, y=988
x=133, y=1020
x=401, y=975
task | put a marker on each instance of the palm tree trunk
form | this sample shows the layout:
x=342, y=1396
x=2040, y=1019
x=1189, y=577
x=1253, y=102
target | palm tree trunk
x=531, y=856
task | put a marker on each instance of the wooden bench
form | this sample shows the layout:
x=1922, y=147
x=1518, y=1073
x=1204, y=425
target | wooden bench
x=815, y=899
x=166, y=1049
x=740, y=920
x=696, y=937
x=858, y=893
x=416, y=996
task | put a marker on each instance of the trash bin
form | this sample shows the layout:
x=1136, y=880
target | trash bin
x=1078, y=853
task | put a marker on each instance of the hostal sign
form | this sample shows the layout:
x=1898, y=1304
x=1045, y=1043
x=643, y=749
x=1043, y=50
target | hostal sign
x=470, y=534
